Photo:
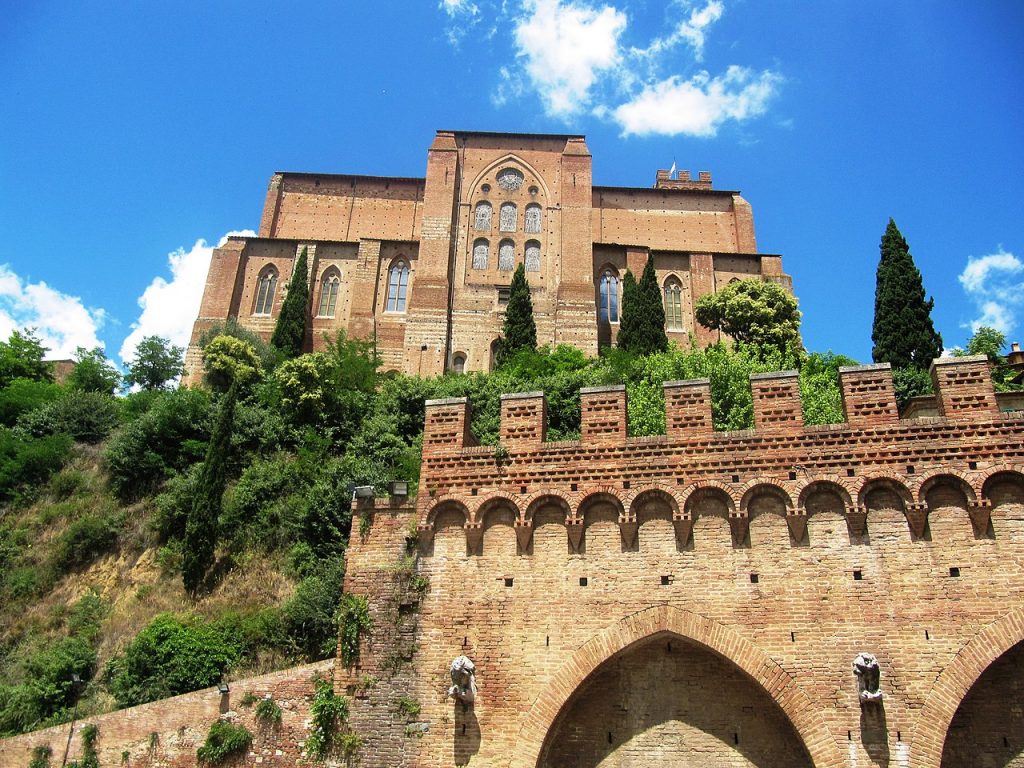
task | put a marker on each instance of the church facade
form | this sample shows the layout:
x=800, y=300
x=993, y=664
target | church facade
x=424, y=264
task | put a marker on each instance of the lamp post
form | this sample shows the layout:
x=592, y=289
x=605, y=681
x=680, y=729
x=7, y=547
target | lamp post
x=75, y=682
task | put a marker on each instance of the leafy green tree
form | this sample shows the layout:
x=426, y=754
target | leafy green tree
x=201, y=526
x=93, y=372
x=627, y=338
x=519, y=330
x=21, y=357
x=22, y=396
x=990, y=342
x=903, y=333
x=290, y=332
x=157, y=363
x=229, y=360
x=754, y=312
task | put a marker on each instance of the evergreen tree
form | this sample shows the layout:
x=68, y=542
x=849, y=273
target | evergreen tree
x=519, y=330
x=290, y=331
x=651, y=336
x=630, y=317
x=201, y=526
x=902, y=332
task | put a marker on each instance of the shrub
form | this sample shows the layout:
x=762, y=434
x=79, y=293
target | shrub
x=91, y=535
x=327, y=711
x=28, y=462
x=171, y=655
x=353, y=620
x=268, y=712
x=89, y=756
x=24, y=395
x=309, y=615
x=224, y=740
x=41, y=756
x=168, y=438
x=262, y=506
x=85, y=415
x=46, y=691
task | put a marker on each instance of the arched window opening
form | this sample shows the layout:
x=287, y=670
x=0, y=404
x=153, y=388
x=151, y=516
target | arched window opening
x=494, y=353
x=266, y=287
x=329, y=294
x=532, y=256
x=673, y=304
x=609, y=304
x=482, y=220
x=398, y=284
x=533, y=219
x=459, y=363
x=481, y=251
x=508, y=217
x=506, y=256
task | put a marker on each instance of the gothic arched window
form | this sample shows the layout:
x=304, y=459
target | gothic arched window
x=609, y=294
x=673, y=304
x=459, y=363
x=482, y=219
x=266, y=287
x=508, y=217
x=329, y=293
x=481, y=250
x=398, y=284
x=532, y=256
x=506, y=256
x=532, y=223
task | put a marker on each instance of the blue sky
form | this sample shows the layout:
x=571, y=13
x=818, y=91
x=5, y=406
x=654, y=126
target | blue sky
x=134, y=136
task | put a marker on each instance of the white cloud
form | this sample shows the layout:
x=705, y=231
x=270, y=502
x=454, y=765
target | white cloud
x=689, y=30
x=566, y=46
x=170, y=307
x=697, y=106
x=459, y=7
x=62, y=321
x=993, y=284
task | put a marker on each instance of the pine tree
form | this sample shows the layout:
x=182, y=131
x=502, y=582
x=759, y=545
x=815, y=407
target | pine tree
x=652, y=337
x=290, y=331
x=630, y=316
x=201, y=526
x=519, y=330
x=902, y=333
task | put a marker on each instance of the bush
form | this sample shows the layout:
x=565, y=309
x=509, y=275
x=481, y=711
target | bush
x=171, y=655
x=224, y=740
x=91, y=535
x=29, y=462
x=265, y=505
x=268, y=712
x=309, y=615
x=353, y=620
x=47, y=691
x=87, y=416
x=327, y=712
x=168, y=438
x=24, y=395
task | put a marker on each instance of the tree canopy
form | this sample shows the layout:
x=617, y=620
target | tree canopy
x=642, y=327
x=902, y=333
x=756, y=312
x=93, y=372
x=157, y=363
x=21, y=357
x=290, y=332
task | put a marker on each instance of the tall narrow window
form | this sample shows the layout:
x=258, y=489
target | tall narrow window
x=609, y=305
x=532, y=256
x=673, y=304
x=482, y=220
x=266, y=287
x=329, y=294
x=508, y=217
x=532, y=223
x=480, y=254
x=459, y=363
x=506, y=256
x=398, y=283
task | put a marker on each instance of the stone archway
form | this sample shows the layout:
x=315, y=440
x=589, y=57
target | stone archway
x=954, y=683
x=661, y=623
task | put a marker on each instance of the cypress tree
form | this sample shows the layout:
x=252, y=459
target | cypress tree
x=519, y=330
x=201, y=526
x=652, y=329
x=290, y=331
x=902, y=332
x=630, y=317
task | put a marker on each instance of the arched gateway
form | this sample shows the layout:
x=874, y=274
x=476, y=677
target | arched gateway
x=629, y=697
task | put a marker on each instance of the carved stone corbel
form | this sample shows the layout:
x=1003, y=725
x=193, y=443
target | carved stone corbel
x=917, y=518
x=796, y=519
x=628, y=527
x=683, y=523
x=980, y=512
x=739, y=522
x=574, y=527
x=524, y=534
x=474, y=538
x=857, y=520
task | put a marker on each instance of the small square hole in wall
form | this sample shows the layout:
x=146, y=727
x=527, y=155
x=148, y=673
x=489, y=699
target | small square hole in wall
x=522, y=489
x=754, y=578
x=625, y=484
x=910, y=469
x=858, y=575
x=666, y=580
x=583, y=581
x=972, y=465
x=574, y=487
x=851, y=472
x=472, y=492
x=954, y=572
x=792, y=475
x=508, y=582
x=735, y=478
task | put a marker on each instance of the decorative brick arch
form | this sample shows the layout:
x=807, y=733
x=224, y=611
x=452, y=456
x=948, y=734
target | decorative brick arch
x=889, y=480
x=960, y=479
x=595, y=494
x=1010, y=471
x=766, y=486
x=832, y=483
x=535, y=500
x=706, y=486
x=954, y=682
x=496, y=499
x=805, y=718
x=443, y=503
x=637, y=496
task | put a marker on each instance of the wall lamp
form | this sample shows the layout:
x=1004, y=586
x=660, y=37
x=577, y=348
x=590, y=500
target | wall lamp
x=398, y=488
x=224, y=689
x=362, y=492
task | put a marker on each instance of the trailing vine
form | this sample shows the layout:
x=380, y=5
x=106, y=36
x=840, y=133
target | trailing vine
x=353, y=620
x=89, y=757
x=222, y=741
x=327, y=711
